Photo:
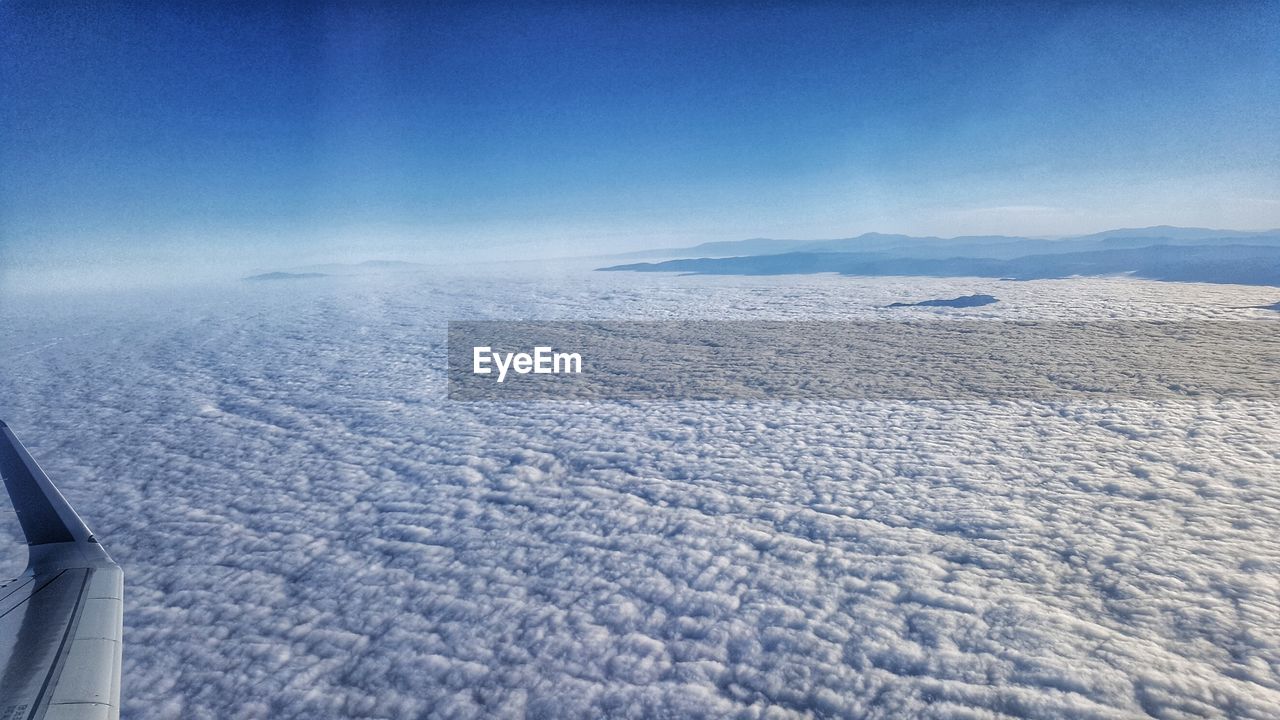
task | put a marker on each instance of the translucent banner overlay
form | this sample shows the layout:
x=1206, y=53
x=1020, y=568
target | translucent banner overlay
x=877, y=360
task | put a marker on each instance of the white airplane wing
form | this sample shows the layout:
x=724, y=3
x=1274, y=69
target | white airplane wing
x=61, y=622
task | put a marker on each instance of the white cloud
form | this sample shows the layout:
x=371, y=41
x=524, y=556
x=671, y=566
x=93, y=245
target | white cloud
x=309, y=529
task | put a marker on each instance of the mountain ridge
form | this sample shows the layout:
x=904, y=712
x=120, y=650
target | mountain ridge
x=1231, y=264
x=995, y=246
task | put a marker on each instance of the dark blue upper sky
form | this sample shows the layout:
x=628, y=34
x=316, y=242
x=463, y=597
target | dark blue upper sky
x=214, y=129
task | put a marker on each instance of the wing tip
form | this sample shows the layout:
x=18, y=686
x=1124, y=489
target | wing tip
x=44, y=514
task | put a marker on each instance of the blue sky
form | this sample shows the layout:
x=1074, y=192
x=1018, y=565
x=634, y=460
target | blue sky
x=231, y=132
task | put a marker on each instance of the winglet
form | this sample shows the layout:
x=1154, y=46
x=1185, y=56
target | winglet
x=61, y=624
x=43, y=512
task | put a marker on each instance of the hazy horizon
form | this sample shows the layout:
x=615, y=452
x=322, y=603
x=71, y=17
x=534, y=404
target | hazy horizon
x=239, y=137
x=24, y=270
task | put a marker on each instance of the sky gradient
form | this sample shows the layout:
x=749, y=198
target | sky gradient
x=239, y=133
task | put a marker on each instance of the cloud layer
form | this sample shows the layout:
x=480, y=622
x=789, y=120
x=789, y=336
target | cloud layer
x=309, y=529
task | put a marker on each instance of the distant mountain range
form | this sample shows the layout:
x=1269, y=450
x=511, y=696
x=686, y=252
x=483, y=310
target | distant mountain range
x=1156, y=253
x=368, y=267
x=984, y=246
x=267, y=277
x=966, y=301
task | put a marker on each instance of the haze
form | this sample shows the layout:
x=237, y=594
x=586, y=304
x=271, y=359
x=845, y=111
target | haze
x=170, y=141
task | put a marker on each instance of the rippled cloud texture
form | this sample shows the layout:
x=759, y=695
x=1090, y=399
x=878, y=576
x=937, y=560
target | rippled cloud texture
x=310, y=529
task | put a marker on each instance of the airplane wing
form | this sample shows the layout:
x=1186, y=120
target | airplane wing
x=61, y=622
